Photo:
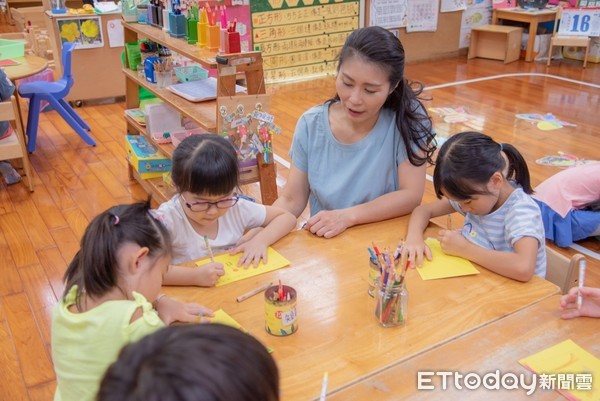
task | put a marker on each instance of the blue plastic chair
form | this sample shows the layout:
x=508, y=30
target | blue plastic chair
x=54, y=93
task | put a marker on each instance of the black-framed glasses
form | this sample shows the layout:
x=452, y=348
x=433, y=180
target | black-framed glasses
x=204, y=206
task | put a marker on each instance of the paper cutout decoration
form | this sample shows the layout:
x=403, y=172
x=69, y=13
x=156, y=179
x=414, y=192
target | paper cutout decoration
x=223, y=317
x=235, y=273
x=563, y=160
x=459, y=115
x=547, y=122
x=442, y=265
x=570, y=360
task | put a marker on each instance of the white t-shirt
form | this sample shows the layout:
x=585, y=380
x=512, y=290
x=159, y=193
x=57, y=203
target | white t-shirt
x=189, y=245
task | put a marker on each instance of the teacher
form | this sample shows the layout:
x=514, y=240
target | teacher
x=361, y=156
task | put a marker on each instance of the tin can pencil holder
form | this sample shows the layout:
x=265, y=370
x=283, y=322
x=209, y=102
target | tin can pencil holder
x=280, y=315
x=391, y=304
x=373, y=275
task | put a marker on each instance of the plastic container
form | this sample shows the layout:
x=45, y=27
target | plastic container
x=11, y=48
x=190, y=73
x=142, y=13
x=58, y=6
x=134, y=56
x=391, y=304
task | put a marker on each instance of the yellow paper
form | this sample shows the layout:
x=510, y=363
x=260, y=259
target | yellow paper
x=568, y=358
x=442, y=265
x=235, y=273
x=223, y=318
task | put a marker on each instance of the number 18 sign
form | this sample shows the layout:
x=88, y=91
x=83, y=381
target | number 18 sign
x=578, y=22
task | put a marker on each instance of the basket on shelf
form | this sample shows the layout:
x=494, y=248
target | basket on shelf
x=190, y=73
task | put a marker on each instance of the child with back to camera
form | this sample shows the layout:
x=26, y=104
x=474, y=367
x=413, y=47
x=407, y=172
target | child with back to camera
x=488, y=183
x=209, y=209
x=205, y=362
x=110, y=283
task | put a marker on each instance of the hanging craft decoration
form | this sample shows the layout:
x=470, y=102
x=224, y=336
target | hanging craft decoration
x=246, y=123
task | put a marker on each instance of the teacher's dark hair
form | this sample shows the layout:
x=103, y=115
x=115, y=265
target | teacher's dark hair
x=378, y=45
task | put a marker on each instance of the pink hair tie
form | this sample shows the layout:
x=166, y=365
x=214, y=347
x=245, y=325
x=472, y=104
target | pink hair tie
x=116, y=219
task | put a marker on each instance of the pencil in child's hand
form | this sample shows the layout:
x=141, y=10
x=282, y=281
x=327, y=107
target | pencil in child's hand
x=449, y=222
x=582, y=267
x=210, y=252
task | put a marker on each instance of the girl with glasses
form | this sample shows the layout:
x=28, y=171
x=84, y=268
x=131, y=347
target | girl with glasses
x=208, y=211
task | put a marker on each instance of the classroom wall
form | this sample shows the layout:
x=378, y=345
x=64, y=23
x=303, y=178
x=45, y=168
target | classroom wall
x=419, y=46
x=434, y=45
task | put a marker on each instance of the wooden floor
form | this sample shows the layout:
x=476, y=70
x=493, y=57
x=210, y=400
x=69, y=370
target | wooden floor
x=39, y=232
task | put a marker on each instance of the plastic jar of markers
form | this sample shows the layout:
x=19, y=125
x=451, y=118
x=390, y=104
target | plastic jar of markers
x=391, y=304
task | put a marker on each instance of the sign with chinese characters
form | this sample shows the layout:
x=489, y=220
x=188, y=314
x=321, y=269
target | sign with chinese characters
x=301, y=39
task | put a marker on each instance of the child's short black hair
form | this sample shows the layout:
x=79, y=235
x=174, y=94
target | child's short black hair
x=468, y=160
x=201, y=362
x=205, y=164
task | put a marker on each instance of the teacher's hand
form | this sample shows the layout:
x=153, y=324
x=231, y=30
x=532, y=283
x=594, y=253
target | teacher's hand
x=327, y=223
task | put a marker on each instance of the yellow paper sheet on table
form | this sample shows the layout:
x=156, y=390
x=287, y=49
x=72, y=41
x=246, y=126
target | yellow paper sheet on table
x=578, y=368
x=442, y=265
x=222, y=317
x=235, y=273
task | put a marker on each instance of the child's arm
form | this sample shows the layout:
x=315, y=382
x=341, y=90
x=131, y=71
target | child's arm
x=415, y=247
x=518, y=265
x=278, y=222
x=202, y=276
x=171, y=311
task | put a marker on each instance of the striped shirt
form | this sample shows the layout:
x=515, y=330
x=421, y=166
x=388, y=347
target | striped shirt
x=518, y=217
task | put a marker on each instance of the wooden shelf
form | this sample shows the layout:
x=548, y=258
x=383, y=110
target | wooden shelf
x=202, y=56
x=166, y=149
x=160, y=191
x=203, y=113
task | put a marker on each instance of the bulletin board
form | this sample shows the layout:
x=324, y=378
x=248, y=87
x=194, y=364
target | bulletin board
x=301, y=38
x=442, y=43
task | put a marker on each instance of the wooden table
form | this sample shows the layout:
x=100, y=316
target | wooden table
x=28, y=66
x=532, y=16
x=497, y=346
x=337, y=331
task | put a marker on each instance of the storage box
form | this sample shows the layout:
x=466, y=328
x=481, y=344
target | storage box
x=11, y=49
x=145, y=158
x=498, y=42
x=190, y=73
x=577, y=53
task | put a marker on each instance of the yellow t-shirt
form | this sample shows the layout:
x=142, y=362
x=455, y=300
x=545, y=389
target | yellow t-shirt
x=85, y=344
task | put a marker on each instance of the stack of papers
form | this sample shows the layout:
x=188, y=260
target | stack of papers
x=200, y=91
x=106, y=7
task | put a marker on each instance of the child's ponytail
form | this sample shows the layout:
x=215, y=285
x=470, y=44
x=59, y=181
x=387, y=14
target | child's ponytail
x=517, y=167
x=95, y=269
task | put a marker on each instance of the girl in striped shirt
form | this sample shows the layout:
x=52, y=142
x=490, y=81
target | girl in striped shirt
x=488, y=183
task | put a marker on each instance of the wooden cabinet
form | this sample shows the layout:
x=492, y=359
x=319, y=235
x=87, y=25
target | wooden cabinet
x=205, y=114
